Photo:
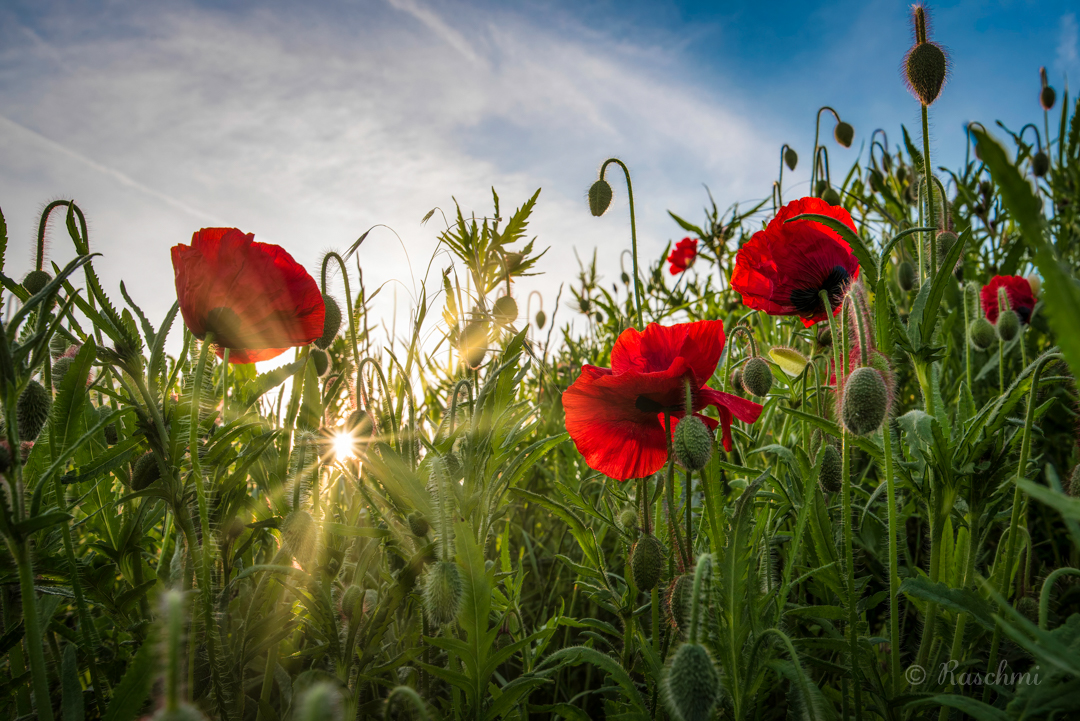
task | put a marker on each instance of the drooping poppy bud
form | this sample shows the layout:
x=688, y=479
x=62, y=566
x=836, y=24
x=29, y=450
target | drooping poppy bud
x=331, y=322
x=321, y=361
x=820, y=186
x=830, y=196
x=756, y=377
x=1028, y=608
x=791, y=158
x=692, y=685
x=32, y=410
x=111, y=435
x=505, y=310
x=905, y=275
x=844, y=133
x=321, y=702
x=59, y=370
x=472, y=343
x=926, y=65
x=145, y=472
x=865, y=401
x=832, y=469
x=824, y=335
x=35, y=281
x=981, y=334
x=1040, y=164
x=599, y=197
x=736, y=381
x=1047, y=96
x=945, y=240
x=628, y=520
x=646, y=562
x=693, y=443
x=442, y=592
x=541, y=319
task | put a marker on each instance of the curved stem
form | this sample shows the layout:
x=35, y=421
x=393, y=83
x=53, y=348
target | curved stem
x=817, y=135
x=633, y=232
x=348, y=301
x=1047, y=587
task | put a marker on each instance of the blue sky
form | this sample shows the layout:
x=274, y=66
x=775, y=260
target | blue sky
x=307, y=124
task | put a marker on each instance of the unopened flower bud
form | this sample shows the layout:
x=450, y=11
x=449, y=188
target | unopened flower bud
x=945, y=240
x=1028, y=608
x=820, y=186
x=331, y=322
x=830, y=196
x=541, y=319
x=905, y=275
x=1040, y=164
x=865, y=401
x=844, y=133
x=981, y=334
x=472, y=343
x=693, y=443
x=321, y=702
x=791, y=158
x=646, y=562
x=791, y=361
x=1047, y=96
x=678, y=601
x=442, y=592
x=505, y=310
x=925, y=65
x=757, y=378
x=57, y=345
x=599, y=197
x=736, y=381
x=824, y=335
x=1008, y=325
x=35, y=281
x=628, y=519
x=832, y=469
x=321, y=361
x=625, y=277
x=692, y=684
x=418, y=524
x=145, y=472
x=32, y=410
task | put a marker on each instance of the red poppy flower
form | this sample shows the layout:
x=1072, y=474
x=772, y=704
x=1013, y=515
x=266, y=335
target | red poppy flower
x=616, y=415
x=782, y=269
x=1019, y=292
x=253, y=297
x=683, y=255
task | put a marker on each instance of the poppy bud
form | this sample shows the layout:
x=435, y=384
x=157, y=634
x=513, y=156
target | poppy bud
x=1074, y=483
x=59, y=370
x=454, y=468
x=331, y=322
x=541, y=319
x=35, y=281
x=145, y=472
x=57, y=345
x=32, y=410
x=646, y=561
x=599, y=197
x=824, y=335
x=442, y=592
x=886, y=162
x=945, y=240
x=905, y=275
x=820, y=186
x=692, y=684
x=736, y=381
x=877, y=180
x=1040, y=164
x=926, y=66
x=321, y=361
x=1036, y=284
x=322, y=702
x=678, y=600
x=625, y=278
x=1008, y=325
x=472, y=344
x=756, y=377
x=865, y=401
x=901, y=173
x=111, y=435
x=981, y=334
x=298, y=533
x=830, y=196
x=505, y=310
x=1047, y=96
x=352, y=603
x=418, y=524
x=986, y=188
x=791, y=158
x=832, y=469
x=1028, y=607
x=791, y=361
x=844, y=133
x=693, y=443
x=628, y=519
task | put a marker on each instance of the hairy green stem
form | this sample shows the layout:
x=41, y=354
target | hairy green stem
x=894, y=560
x=633, y=233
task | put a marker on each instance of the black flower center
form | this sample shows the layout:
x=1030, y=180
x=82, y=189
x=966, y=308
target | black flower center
x=807, y=301
x=648, y=405
x=1024, y=312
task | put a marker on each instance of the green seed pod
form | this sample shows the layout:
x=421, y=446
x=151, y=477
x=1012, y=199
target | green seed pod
x=791, y=158
x=905, y=275
x=599, y=197
x=331, y=322
x=926, y=67
x=541, y=319
x=736, y=381
x=418, y=524
x=757, y=377
x=678, y=601
x=791, y=361
x=1074, y=483
x=32, y=410
x=183, y=712
x=442, y=592
x=1028, y=608
x=1040, y=164
x=692, y=684
x=59, y=370
x=35, y=281
x=352, y=603
x=693, y=443
x=832, y=471
x=57, y=345
x=321, y=360
x=1008, y=325
x=646, y=562
x=144, y=472
x=844, y=133
x=865, y=401
x=628, y=519
x=322, y=702
x=981, y=334
x=505, y=310
x=830, y=196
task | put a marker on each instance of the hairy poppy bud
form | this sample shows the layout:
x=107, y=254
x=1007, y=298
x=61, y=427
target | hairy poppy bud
x=32, y=410
x=298, y=533
x=830, y=196
x=35, y=281
x=1040, y=164
x=331, y=322
x=505, y=310
x=925, y=65
x=321, y=702
x=756, y=377
x=791, y=158
x=352, y=603
x=692, y=684
x=791, y=361
x=1074, y=483
x=541, y=319
x=1008, y=325
x=736, y=381
x=625, y=277
x=59, y=370
x=321, y=361
x=599, y=197
x=865, y=401
x=901, y=173
x=442, y=592
x=905, y=275
x=986, y=188
x=820, y=186
x=945, y=240
x=981, y=334
x=832, y=469
x=112, y=437
x=628, y=519
x=877, y=180
x=57, y=345
x=1047, y=96
x=418, y=524
x=145, y=472
x=693, y=443
x=844, y=133
x=1028, y=608
x=678, y=600
x=824, y=335
x=472, y=343
x=646, y=562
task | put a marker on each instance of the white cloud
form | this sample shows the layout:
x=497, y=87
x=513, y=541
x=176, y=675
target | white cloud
x=1068, y=51
x=306, y=131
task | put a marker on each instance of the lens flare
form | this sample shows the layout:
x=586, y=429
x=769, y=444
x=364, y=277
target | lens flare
x=344, y=446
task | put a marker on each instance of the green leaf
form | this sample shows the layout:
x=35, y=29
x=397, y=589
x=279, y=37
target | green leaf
x=972, y=707
x=688, y=227
x=954, y=599
x=130, y=696
x=1067, y=506
x=37, y=523
x=577, y=655
x=66, y=421
x=71, y=687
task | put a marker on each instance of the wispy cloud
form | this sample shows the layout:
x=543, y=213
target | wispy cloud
x=1068, y=50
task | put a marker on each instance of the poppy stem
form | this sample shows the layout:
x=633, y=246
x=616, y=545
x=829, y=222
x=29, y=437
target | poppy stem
x=669, y=493
x=348, y=300
x=930, y=219
x=817, y=135
x=633, y=233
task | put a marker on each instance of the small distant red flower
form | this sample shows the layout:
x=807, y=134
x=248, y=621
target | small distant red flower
x=781, y=269
x=616, y=415
x=683, y=255
x=1019, y=292
x=253, y=297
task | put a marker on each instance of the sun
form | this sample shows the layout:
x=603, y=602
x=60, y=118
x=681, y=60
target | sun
x=344, y=446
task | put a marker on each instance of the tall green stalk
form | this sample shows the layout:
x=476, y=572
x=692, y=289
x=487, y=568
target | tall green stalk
x=633, y=233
